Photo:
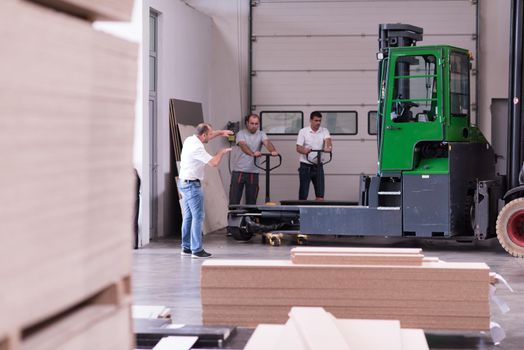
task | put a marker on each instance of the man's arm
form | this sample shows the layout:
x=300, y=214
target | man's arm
x=328, y=146
x=245, y=148
x=270, y=147
x=214, y=133
x=303, y=150
x=218, y=157
x=300, y=142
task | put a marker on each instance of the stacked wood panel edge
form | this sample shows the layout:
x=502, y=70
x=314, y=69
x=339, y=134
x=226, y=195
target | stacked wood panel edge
x=66, y=137
x=431, y=294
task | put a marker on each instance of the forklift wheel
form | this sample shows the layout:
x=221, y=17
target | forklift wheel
x=239, y=234
x=510, y=227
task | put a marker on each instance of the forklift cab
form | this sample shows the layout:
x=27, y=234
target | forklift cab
x=423, y=100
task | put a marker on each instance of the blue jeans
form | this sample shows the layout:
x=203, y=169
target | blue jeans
x=192, y=215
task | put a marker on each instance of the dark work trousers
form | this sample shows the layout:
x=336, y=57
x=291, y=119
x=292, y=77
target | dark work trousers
x=313, y=173
x=238, y=181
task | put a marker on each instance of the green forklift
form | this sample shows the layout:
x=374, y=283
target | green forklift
x=436, y=172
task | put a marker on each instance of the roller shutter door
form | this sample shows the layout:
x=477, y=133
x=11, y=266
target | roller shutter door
x=320, y=55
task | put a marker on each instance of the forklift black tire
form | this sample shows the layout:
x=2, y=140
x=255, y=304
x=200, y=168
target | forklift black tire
x=239, y=234
x=510, y=227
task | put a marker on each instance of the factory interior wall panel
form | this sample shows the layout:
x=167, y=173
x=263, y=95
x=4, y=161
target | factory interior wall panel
x=184, y=48
x=361, y=17
x=494, y=61
x=280, y=89
x=320, y=55
x=333, y=52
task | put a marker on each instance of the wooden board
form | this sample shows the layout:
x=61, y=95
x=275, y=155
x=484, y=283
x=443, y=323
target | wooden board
x=357, y=259
x=371, y=334
x=424, y=322
x=358, y=334
x=456, y=291
x=264, y=337
x=67, y=113
x=356, y=250
x=106, y=10
x=317, y=328
x=351, y=311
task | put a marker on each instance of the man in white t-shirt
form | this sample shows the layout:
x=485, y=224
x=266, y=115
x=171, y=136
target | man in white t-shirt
x=313, y=137
x=193, y=159
x=245, y=173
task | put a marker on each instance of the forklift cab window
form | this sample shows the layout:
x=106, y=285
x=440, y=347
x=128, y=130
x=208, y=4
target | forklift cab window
x=459, y=84
x=415, y=90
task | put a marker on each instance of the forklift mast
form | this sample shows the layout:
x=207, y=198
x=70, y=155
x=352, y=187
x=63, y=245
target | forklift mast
x=515, y=147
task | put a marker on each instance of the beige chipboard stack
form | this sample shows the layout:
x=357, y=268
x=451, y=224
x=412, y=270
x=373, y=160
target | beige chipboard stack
x=369, y=283
x=67, y=95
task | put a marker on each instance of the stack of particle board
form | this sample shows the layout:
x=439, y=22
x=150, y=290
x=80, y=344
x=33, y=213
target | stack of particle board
x=314, y=328
x=350, y=283
x=67, y=97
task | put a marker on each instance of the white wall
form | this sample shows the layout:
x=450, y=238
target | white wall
x=494, y=57
x=228, y=75
x=184, y=39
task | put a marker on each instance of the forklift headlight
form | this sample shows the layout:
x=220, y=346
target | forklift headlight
x=380, y=56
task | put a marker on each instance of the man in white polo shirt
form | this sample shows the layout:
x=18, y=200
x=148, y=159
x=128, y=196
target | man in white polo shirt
x=313, y=137
x=193, y=159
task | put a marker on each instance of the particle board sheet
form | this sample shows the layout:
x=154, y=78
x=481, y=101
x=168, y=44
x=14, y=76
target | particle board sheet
x=352, y=311
x=285, y=274
x=317, y=328
x=252, y=292
x=356, y=250
x=108, y=10
x=363, y=334
x=357, y=256
x=215, y=198
x=357, y=259
x=315, y=299
x=66, y=136
x=290, y=338
x=359, y=335
x=96, y=327
x=413, y=339
x=456, y=291
x=264, y=337
x=444, y=323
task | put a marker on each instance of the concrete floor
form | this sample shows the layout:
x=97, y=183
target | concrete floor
x=161, y=276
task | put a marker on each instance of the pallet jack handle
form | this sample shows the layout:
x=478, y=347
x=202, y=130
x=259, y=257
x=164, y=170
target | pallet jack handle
x=267, y=168
x=319, y=152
